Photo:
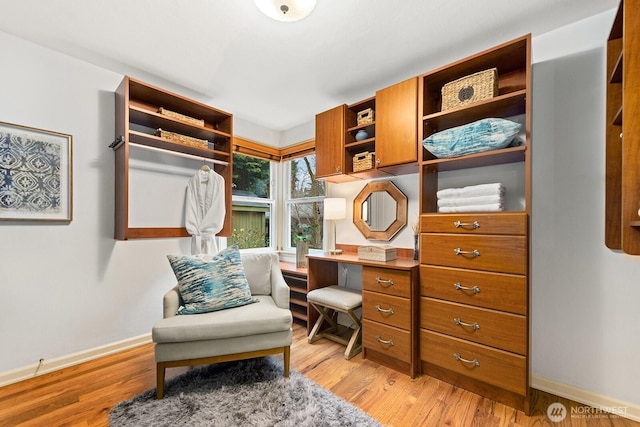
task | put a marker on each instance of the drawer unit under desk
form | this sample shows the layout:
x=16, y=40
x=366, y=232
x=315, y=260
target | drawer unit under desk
x=497, y=367
x=514, y=223
x=506, y=254
x=500, y=291
x=387, y=309
x=388, y=340
x=386, y=281
x=494, y=328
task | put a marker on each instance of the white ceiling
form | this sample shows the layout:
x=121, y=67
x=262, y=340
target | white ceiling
x=274, y=74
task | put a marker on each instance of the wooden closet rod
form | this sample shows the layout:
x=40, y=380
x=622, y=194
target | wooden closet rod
x=175, y=153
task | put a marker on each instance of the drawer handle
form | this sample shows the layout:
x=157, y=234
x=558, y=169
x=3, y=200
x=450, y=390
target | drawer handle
x=473, y=325
x=382, y=310
x=387, y=342
x=474, y=253
x=473, y=225
x=382, y=282
x=459, y=287
x=473, y=362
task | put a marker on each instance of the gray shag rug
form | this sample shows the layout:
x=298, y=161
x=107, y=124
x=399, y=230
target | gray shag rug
x=243, y=393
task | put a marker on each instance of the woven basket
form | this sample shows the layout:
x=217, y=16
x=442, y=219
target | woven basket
x=470, y=89
x=182, y=139
x=363, y=161
x=365, y=117
x=180, y=117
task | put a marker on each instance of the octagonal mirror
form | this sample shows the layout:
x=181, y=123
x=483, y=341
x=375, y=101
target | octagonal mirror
x=380, y=210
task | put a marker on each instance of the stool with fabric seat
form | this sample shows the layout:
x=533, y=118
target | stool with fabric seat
x=329, y=301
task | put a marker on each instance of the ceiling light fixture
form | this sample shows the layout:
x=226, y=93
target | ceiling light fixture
x=286, y=10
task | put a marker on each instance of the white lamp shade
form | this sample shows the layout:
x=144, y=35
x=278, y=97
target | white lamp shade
x=286, y=10
x=335, y=208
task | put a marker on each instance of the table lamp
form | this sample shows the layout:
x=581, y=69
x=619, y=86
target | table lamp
x=335, y=208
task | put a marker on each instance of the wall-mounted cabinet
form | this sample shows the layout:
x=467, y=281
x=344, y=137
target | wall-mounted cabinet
x=622, y=200
x=474, y=267
x=387, y=142
x=138, y=118
x=396, y=128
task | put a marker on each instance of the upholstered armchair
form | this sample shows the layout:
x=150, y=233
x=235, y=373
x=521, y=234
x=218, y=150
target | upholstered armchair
x=259, y=328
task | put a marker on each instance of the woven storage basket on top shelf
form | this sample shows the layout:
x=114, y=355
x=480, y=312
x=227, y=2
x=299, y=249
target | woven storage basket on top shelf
x=470, y=89
x=181, y=117
x=182, y=139
x=363, y=161
x=365, y=117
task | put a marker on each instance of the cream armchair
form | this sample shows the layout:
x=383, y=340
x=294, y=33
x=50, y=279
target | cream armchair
x=245, y=332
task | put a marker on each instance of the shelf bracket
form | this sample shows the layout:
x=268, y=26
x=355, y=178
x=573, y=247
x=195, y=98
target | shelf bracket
x=117, y=142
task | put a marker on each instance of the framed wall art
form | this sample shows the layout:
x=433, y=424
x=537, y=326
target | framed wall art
x=35, y=174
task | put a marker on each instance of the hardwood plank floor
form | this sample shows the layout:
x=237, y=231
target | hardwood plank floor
x=83, y=395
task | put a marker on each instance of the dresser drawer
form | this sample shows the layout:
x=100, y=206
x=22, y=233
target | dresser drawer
x=495, y=223
x=494, y=328
x=500, y=368
x=387, y=281
x=506, y=292
x=506, y=254
x=387, y=309
x=387, y=340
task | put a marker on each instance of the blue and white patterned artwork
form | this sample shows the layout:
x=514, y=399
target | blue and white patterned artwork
x=32, y=174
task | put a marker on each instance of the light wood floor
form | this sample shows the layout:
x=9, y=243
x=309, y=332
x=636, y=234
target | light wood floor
x=84, y=394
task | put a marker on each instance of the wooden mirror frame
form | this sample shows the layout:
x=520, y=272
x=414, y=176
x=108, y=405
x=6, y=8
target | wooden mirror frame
x=401, y=210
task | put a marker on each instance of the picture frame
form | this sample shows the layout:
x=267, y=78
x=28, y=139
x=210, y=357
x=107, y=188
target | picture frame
x=36, y=174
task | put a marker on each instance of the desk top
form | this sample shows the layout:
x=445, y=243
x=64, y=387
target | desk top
x=351, y=258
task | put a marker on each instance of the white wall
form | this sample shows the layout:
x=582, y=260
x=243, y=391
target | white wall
x=69, y=288
x=585, y=296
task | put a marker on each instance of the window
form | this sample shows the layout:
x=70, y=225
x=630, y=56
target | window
x=303, y=202
x=252, y=203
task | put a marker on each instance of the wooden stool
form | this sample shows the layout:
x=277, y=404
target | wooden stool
x=328, y=302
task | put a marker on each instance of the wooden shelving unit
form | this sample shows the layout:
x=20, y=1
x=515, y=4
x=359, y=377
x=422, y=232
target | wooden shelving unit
x=490, y=337
x=622, y=198
x=296, y=278
x=137, y=119
x=392, y=136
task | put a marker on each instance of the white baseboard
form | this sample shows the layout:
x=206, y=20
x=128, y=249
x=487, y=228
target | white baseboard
x=624, y=409
x=47, y=366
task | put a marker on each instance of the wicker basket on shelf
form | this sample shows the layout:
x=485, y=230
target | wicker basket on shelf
x=470, y=89
x=182, y=139
x=180, y=117
x=363, y=161
x=365, y=117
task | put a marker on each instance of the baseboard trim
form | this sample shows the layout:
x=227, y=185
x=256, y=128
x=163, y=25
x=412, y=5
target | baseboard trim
x=624, y=409
x=47, y=366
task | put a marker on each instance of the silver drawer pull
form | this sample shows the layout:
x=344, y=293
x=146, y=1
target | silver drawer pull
x=475, y=253
x=473, y=325
x=473, y=362
x=473, y=225
x=382, y=282
x=459, y=287
x=382, y=310
x=380, y=340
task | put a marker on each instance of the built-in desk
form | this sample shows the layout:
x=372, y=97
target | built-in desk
x=389, y=306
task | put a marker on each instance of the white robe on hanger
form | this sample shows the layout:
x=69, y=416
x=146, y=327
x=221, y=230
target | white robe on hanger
x=205, y=211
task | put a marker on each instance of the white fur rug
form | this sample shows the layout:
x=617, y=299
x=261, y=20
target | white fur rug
x=244, y=393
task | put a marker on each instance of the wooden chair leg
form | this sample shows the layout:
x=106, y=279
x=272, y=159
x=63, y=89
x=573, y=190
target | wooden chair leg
x=160, y=369
x=354, y=347
x=287, y=360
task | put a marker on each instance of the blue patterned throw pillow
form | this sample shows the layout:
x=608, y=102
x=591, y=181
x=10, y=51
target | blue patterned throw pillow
x=476, y=137
x=211, y=285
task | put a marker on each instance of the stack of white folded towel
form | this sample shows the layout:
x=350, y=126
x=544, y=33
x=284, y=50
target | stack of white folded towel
x=473, y=198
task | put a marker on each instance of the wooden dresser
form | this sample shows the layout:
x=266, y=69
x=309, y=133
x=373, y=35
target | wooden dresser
x=473, y=302
x=389, y=306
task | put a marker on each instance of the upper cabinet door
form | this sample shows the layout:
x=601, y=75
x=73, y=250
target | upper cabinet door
x=396, y=124
x=330, y=131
